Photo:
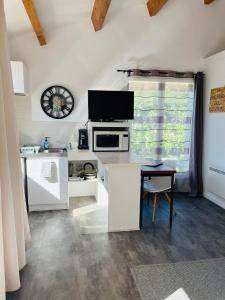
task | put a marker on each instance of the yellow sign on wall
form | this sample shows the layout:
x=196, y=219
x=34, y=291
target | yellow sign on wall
x=217, y=100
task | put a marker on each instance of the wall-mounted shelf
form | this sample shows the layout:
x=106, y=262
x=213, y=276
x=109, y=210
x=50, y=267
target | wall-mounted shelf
x=109, y=124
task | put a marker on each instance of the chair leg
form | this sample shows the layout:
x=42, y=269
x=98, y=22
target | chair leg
x=148, y=199
x=158, y=199
x=169, y=200
x=146, y=194
x=154, y=207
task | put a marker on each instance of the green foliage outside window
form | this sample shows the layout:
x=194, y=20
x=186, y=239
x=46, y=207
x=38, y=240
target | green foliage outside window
x=163, y=122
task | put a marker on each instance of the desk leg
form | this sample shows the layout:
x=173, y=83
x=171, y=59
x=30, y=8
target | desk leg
x=141, y=202
x=171, y=202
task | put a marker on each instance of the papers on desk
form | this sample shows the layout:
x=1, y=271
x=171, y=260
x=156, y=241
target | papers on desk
x=154, y=163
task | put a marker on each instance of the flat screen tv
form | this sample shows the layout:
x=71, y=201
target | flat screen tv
x=110, y=105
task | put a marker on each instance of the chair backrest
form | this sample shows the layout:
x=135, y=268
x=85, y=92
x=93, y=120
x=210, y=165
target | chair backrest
x=157, y=184
x=164, y=182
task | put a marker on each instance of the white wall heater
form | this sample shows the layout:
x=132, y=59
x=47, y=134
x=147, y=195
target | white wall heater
x=216, y=182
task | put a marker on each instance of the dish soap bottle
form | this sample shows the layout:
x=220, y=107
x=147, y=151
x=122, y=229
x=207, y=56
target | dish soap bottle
x=46, y=144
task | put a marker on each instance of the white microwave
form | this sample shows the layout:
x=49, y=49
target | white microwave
x=111, y=140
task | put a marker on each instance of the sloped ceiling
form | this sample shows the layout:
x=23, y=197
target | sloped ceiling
x=52, y=13
x=195, y=25
x=179, y=37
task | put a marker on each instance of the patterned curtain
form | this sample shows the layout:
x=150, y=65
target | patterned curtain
x=163, y=122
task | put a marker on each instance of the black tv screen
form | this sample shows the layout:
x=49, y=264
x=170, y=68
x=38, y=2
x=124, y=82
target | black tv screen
x=110, y=105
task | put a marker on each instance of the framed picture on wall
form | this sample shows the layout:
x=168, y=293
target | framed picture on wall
x=217, y=100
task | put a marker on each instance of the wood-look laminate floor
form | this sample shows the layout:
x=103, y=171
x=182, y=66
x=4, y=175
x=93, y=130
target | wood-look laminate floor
x=64, y=263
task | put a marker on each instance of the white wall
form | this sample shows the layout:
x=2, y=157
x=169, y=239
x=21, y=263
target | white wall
x=34, y=132
x=80, y=59
x=214, y=124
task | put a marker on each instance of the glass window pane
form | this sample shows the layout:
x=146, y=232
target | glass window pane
x=163, y=120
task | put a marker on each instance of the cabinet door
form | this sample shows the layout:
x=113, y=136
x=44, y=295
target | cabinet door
x=42, y=190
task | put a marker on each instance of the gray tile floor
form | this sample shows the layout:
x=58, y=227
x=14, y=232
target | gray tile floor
x=67, y=261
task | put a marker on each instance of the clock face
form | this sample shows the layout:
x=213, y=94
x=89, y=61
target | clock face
x=57, y=102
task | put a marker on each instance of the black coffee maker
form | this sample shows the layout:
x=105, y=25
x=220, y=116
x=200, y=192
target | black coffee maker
x=83, y=139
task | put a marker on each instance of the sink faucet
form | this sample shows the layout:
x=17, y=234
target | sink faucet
x=69, y=146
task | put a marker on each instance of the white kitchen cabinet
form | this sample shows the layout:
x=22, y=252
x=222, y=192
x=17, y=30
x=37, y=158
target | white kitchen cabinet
x=19, y=77
x=123, y=186
x=83, y=188
x=47, y=193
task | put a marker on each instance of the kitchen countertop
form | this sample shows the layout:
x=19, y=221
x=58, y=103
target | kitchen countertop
x=106, y=158
x=109, y=158
x=43, y=154
x=119, y=158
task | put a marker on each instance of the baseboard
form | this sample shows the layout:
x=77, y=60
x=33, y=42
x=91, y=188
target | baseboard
x=43, y=207
x=215, y=199
x=123, y=230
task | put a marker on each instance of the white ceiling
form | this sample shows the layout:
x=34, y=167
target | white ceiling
x=188, y=22
x=54, y=13
x=178, y=38
x=16, y=17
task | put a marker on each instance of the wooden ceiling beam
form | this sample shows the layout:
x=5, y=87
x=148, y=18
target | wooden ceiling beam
x=99, y=13
x=208, y=1
x=33, y=16
x=154, y=6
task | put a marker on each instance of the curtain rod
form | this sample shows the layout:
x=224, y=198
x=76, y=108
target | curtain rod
x=157, y=73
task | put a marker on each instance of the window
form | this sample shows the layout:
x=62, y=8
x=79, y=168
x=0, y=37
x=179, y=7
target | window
x=163, y=120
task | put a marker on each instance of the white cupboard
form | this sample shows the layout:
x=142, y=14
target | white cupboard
x=19, y=77
x=47, y=193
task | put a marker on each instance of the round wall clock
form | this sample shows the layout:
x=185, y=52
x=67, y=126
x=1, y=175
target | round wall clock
x=57, y=102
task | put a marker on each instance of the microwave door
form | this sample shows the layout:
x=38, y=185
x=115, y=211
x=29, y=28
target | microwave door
x=107, y=140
